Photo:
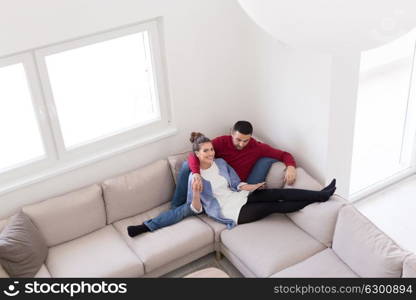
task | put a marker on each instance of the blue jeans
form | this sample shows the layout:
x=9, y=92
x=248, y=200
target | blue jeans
x=180, y=209
x=170, y=217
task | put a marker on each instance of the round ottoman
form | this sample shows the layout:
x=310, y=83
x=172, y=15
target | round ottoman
x=208, y=273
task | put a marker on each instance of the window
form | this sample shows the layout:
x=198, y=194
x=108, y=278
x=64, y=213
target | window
x=73, y=103
x=20, y=136
x=103, y=88
x=385, y=119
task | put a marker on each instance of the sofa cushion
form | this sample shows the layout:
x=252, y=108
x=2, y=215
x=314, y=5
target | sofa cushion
x=23, y=249
x=276, y=175
x=102, y=253
x=138, y=191
x=304, y=181
x=3, y=223
x=216, y=227
x=319, y=219
x=365, y=248
x=409, y=266
x=167, y=244
x=69, y=216
x=269, y=245
x=323, y=264
x=175, y=163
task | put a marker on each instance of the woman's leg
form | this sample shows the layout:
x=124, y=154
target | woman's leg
x=254, y=211
x=259, y=172
x=166, y=218
x=273, y=195
x=181, y=190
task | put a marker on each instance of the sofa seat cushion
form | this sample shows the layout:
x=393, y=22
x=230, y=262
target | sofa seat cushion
x=167, y=244
x=269, y=245
x=323, y=264
x=366, y=249
x=216, y=227
x=42, y=273
x=102, y=253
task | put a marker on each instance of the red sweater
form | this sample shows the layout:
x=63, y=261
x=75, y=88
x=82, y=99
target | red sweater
x=242, y=160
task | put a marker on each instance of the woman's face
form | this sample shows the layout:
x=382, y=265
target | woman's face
x=206, y=153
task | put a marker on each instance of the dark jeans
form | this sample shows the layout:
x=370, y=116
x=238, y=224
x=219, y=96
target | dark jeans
x=262, y=203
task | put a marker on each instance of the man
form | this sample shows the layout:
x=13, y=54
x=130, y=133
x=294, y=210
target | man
x=250, y=159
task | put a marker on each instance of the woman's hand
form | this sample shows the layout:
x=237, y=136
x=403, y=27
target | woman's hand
x=252, y=187
x=196, y=182
x=196, y=198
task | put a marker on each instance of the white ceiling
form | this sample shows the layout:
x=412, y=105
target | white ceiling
x=333, y=25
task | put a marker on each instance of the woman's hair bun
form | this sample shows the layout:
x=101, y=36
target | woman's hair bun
x=195, y=135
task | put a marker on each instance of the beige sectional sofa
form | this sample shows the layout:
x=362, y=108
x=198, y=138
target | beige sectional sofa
x=85, y=232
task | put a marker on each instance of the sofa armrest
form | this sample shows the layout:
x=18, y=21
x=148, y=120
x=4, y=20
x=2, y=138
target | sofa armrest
x=409, y=266
x=3, y=273
x=319, y=219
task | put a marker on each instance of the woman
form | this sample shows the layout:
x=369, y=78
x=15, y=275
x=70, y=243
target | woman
x=228, y=200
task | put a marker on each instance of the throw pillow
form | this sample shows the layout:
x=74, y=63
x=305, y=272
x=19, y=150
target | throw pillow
x=23, y=249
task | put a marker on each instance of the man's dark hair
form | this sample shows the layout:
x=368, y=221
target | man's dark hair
x=243, y=127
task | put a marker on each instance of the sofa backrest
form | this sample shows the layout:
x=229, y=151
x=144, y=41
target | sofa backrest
x=176, y=161
x=138, y=191
x=3, y=223
x=3, y=273
x=364, y=248
x=409, y=266
x=274, y=179
x=69, y=216
x=276, y=175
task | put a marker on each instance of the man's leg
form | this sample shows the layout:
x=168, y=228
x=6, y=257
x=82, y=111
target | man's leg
x=260, y=170
x=277, y=195
x=179, y=197
x=253, y=211
x=170, y=217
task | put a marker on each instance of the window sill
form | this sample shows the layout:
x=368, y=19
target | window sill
x=65, y=167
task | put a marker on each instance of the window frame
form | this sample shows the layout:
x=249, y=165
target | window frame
x=13, y=172
x=408, y=138
x=58, y=160
x=117, y=138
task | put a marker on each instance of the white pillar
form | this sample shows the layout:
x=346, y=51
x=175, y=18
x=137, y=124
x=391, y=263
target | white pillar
x=343, y=98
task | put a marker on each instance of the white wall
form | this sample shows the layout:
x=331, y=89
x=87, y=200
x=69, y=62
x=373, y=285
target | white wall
x=291, y=90
x=305, y=104
x=344, y=86
x=220, y=67
x=207, y=50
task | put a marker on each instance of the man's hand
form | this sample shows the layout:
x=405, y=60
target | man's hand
x=252, y=187
x=196, y=182
x=290, y=175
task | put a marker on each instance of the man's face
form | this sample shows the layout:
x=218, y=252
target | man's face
x=240, y=140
